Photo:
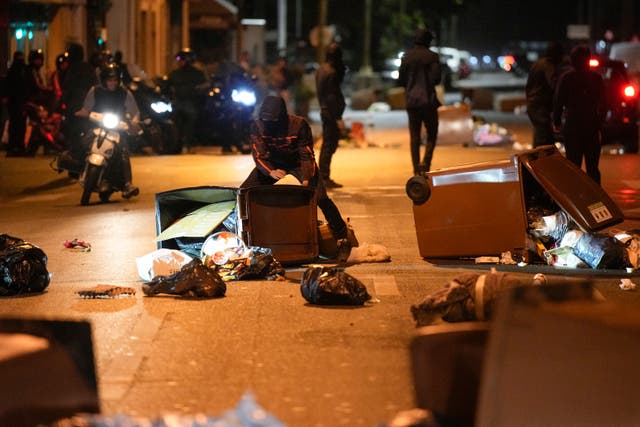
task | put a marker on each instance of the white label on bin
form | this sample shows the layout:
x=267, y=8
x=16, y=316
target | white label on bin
x=599, y=212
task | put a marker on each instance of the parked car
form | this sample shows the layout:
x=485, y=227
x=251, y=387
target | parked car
x=621, y=123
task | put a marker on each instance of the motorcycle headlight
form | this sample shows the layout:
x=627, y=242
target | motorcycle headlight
x=161, y=107
x=110, y=121
x=243, y=96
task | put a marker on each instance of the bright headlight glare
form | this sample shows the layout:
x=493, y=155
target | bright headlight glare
x=161, y=107
x=246, y=97
x=110, y=120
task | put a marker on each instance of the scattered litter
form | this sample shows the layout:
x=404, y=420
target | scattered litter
x=23, y=267
x=485, y=134
x=76, y=244
x=161, y=262
x=487, y=260
x=627, y=285
x=470, y=296
x=247, y=413
x=332, y=286
x=106, y=291
x=194, y=280
x=507, y=258
x=369, y=252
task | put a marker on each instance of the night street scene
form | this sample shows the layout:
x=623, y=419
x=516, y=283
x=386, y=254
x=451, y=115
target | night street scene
x=273, y=213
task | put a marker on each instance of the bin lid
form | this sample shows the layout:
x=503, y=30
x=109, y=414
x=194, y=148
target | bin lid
x=571, y=188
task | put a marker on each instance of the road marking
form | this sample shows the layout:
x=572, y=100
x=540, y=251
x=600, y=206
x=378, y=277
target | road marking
x=382, y=284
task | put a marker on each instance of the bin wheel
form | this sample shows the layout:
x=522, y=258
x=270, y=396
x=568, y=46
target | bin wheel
x=418, y=189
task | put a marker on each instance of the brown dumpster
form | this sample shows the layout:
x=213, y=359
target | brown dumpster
x=280, y=217
x=481, y=209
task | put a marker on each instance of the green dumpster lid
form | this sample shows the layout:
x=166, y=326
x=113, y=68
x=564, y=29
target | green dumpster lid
x=572, y=189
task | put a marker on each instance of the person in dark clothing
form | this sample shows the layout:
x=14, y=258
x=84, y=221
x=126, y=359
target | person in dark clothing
x=123, y=67
x=419, y=73
x=282, y=144
x=16, y=90
x=329, y=78
x=187, y=84
x=38, y=92
x=111, y=96
x=541, y=83
x=580, y=97
x=78, y=79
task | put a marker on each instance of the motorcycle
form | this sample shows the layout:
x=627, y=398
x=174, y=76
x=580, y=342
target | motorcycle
x=100, y=174
x=228, y=110
x=159, y=131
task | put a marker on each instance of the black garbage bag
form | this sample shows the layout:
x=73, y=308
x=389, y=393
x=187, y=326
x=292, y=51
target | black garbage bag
x=194, y=280
x=601, y=251
x=23, y=267
x=332, y=286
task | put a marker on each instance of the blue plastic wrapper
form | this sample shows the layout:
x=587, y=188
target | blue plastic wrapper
x=247, y=413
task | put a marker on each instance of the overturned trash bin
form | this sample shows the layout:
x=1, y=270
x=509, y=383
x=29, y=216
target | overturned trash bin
x=280, y=217
x=481, y=209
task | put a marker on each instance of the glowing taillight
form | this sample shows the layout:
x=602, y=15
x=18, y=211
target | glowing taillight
x=594, y=63
x=629, y=91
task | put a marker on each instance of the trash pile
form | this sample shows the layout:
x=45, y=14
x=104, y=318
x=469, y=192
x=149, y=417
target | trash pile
x=23, y=267
x=490, y=134
x=468, y=297
x=560, y=242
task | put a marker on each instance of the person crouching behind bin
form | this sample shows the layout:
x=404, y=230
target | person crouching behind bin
x=282, y=144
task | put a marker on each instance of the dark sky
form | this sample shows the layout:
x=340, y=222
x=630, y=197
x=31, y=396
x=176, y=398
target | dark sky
x=488, y=22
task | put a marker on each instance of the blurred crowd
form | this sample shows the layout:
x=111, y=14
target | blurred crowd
x=39, y=105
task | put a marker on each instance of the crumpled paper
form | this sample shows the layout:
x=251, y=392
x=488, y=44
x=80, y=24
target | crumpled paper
x=627, y=285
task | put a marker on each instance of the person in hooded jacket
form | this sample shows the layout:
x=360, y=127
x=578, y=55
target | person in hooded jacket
x=282, y=144
x=580, y=98
x=329, y=78
x=419, y=73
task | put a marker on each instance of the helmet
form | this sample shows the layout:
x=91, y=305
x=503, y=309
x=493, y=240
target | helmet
x=186, y=54
x=110, y=71
x=36, y=54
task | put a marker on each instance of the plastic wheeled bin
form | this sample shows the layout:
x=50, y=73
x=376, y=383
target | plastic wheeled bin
x=280, y=217
x=481, y=209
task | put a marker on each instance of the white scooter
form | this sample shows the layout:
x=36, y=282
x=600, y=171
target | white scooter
x=106, y=140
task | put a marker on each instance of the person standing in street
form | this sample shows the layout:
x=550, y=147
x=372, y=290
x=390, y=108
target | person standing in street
x=78, y=79
x=16, y=90
x=281, y=144
x=419, y=73
x=187, y=84
x=580, y=98
x=329, y=78
x=541, y=83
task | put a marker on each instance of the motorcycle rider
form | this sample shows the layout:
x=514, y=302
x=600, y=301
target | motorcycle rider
x=111, y=96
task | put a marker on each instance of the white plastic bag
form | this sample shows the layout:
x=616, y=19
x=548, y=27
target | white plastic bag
x=161, y=262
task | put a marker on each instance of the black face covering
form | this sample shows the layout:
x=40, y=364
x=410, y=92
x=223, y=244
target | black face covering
x=273, y=115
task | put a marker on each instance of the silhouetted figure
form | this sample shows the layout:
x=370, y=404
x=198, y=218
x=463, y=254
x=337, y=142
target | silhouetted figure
x=329, y=78
x=187, y=84
x=540, y=87
x=122, y=66
x=420, y=72
x=78, y=79
x=580, y=97
x=16, y=89
x=38, y=92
